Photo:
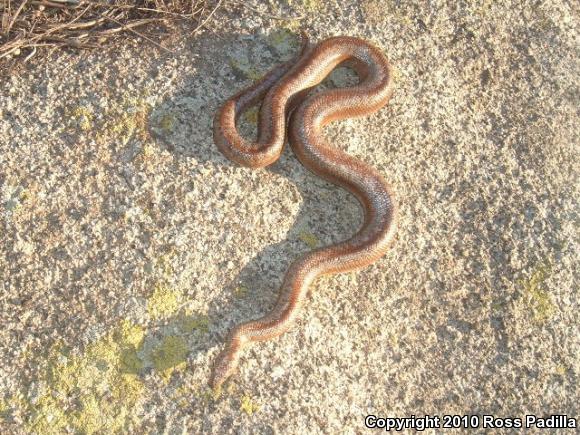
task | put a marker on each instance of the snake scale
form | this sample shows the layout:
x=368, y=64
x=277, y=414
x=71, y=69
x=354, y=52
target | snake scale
x=288, y=110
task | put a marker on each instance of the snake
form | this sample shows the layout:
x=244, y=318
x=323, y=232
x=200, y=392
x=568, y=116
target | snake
x=288, y=109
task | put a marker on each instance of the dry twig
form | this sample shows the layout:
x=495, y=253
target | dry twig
x=28, y=25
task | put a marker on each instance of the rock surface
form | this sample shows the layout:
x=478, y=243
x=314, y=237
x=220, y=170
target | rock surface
x=129, y=245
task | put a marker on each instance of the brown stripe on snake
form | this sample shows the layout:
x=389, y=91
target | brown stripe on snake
x=283, y=92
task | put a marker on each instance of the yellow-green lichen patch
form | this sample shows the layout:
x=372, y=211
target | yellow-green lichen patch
x=209, y=395
x=14, y=197
x=164, y=265
x=561, y=370
x=133, y=119
x=309, y=5
x=497, y=306
x=96, y=391
x=130, y=334
x=148, y=150
x=397, y=76
x=193, y=322
x=15, y=403
x=284, y=40
x=251, y=115
x=248, y=405
x=83, y=117
x=25, y=195
x=169, y=355
x=535, y=295
x=126, y=118
x=310, y=239
x=4, y=409
x=183, y=395
x=167, y=122
x=291, y=24
x=312, y=5
x=164, y=302
x=241, y=291
x=480, y=7
x=243, y=66
x=131, y=337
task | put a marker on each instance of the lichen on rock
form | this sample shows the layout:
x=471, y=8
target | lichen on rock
x=95, y=391
x=164, y=302
x=169, y=355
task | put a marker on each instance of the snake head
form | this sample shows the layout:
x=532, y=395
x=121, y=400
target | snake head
x=225, y=365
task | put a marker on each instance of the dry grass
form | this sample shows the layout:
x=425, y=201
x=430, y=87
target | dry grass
x=29, y=26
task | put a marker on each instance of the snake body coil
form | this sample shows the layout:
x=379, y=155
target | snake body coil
x=281, y=92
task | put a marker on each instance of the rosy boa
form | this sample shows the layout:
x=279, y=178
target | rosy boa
x=283, y=96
